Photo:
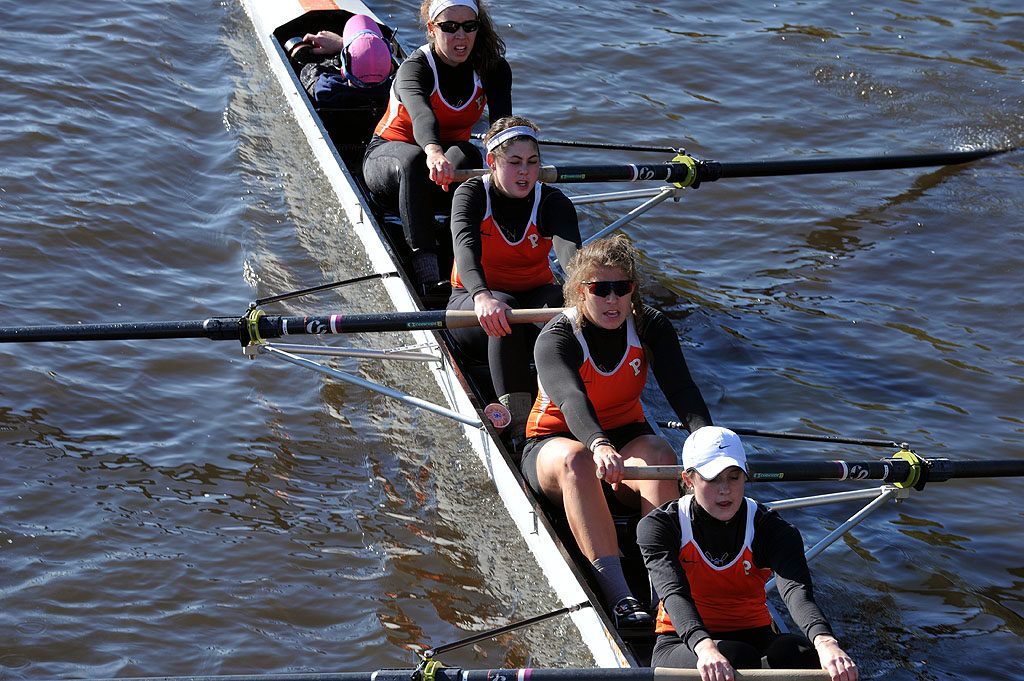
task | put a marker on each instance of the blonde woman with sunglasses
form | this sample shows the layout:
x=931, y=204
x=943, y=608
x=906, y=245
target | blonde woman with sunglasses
x=438, y=95
x=587, y=422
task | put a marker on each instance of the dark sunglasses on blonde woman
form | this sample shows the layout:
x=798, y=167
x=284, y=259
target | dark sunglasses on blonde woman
x=602, y=288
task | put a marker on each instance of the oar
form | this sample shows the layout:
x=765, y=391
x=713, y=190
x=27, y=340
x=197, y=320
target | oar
x=442, y=673
x=600, y=145
x=905, y=470
x=256, y=326
x=811, y=437
x=686, y=171
x=323, y=287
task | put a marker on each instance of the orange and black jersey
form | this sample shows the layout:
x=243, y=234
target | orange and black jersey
x=613, y=391
x=555, y=217
x=776, y=545
x=559, y=358
x=727, y=590
x=431, y=101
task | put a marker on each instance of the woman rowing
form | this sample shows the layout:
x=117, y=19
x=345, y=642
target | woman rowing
x=504, y=225
x=710, y=554
x=588, y=423
x=439, y=93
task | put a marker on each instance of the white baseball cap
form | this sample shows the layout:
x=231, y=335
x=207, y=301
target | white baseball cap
x=712, y=449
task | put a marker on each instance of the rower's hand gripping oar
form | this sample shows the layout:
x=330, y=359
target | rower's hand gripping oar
x=686, y=171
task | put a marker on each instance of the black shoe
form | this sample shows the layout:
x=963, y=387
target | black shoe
x=436, y=293
x=628, y=613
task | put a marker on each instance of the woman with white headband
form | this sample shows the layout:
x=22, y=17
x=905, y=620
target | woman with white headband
x=439, y=93
x=504, y=225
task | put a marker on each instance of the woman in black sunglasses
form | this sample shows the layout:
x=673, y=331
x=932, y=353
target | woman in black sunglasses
x=504, y=226
x=439, y=93
x=587, y=422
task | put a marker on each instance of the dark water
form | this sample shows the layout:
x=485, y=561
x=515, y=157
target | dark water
x=170, y=507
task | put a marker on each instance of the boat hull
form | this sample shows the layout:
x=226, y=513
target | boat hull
x=338, y=154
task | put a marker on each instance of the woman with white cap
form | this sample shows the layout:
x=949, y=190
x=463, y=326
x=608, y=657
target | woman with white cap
x=504, y=226
x=710, y=555
x=438, y=95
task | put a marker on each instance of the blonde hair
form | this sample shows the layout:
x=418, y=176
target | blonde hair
x=615, y=252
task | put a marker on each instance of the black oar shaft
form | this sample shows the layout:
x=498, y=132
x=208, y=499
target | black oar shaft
x=323, y=287
x=889, y=470
x=688, y=171
x=601, y=145
x=912, y=471
x=261, y=327
x=492, y=633
x=217, y=328
x=715, y=170
x=785, y=435
x=391, y=321
x=630, y=172
x=987, y=469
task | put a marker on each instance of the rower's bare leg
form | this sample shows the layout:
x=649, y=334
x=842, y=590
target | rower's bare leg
x=567, y=474
x=650, y=450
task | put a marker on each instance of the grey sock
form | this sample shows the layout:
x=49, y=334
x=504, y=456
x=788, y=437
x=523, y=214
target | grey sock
x=608, y=570
x=519, y=406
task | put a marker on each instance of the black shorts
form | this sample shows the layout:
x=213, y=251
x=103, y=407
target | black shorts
x=619, y=437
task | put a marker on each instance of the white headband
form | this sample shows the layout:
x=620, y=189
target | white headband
x=508, y=133
x=439, y=6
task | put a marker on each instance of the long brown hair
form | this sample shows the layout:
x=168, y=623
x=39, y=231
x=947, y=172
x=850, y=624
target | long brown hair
x=615, y=252
x=488, y=47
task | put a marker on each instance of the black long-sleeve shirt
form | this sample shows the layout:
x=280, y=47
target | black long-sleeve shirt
x=556, y=218
x=414, y=81
x=559, y=356
x=776, y=545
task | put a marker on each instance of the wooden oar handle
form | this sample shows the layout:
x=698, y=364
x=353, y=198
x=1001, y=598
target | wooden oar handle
x=460, y=319
x=653, y=473
x=670, y=674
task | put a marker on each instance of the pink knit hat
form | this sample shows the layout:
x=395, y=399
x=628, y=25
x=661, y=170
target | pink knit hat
x=366, y=56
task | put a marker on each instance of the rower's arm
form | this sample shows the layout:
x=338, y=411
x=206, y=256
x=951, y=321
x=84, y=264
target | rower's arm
x=670, y=370
x=778, y=545
x=659, y=537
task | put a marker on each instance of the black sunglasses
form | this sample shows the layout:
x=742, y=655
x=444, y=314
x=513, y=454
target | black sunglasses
x=602, y=288
x=470, y=26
